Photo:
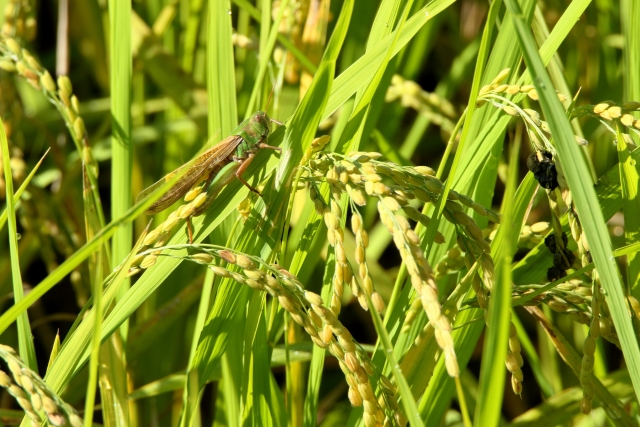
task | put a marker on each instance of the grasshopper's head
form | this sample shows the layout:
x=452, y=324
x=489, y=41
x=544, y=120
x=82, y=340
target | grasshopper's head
x=261, y=123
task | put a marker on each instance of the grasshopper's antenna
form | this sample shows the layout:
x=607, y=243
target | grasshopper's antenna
x=269, y=103
x=273, y=88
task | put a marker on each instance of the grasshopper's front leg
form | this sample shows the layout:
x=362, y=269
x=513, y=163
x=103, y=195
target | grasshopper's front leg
x=263, y=145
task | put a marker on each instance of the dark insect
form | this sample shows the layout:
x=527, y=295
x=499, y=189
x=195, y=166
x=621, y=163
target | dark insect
x=544, y=170
x=555, y=273
x=536, y=161
x=589, y=258
x=571, y=258
x=564, y=260
x=550, y=242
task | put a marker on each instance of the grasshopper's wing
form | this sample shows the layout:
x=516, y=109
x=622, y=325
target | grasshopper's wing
x=198, y=171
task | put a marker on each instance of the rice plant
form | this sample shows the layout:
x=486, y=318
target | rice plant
x=305, y=212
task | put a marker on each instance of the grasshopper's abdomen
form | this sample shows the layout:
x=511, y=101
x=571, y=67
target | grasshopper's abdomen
x=222, y=173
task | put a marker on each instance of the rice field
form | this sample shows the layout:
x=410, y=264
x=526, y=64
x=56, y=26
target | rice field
x=306, y=212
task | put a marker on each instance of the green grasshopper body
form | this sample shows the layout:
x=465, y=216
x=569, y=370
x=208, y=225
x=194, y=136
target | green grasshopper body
x=217, y=166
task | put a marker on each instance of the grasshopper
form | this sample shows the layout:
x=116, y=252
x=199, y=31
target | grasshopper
x=217, y=166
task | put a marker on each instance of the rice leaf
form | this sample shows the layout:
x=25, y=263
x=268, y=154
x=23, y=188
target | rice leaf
x=27, y=349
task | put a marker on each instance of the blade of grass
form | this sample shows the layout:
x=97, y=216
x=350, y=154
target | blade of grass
x=407, y=401
x=95, y=343
x=113, y=384
x=221, y=82
x=231, y=380
x=265, y=23
x=122, y=157
x=564, y=25
x=247, y=373
x=55, y=349
x=190, y=394
x=373, y=94
x=163, y=385
x=107, y=361
x=27, y=180
x=257, y=383
x=629, y=179
x=190, y=39
x=630, y=16
x=383, y=22
x=25, y=343
x=92, y=226
x=277, y=405
x=584, y=196
x=369, y=98
x=492, y=370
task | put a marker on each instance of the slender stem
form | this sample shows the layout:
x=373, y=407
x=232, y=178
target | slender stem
x=122, y=156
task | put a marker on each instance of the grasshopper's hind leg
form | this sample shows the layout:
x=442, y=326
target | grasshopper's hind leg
x=245, y=164
x=243, y=167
